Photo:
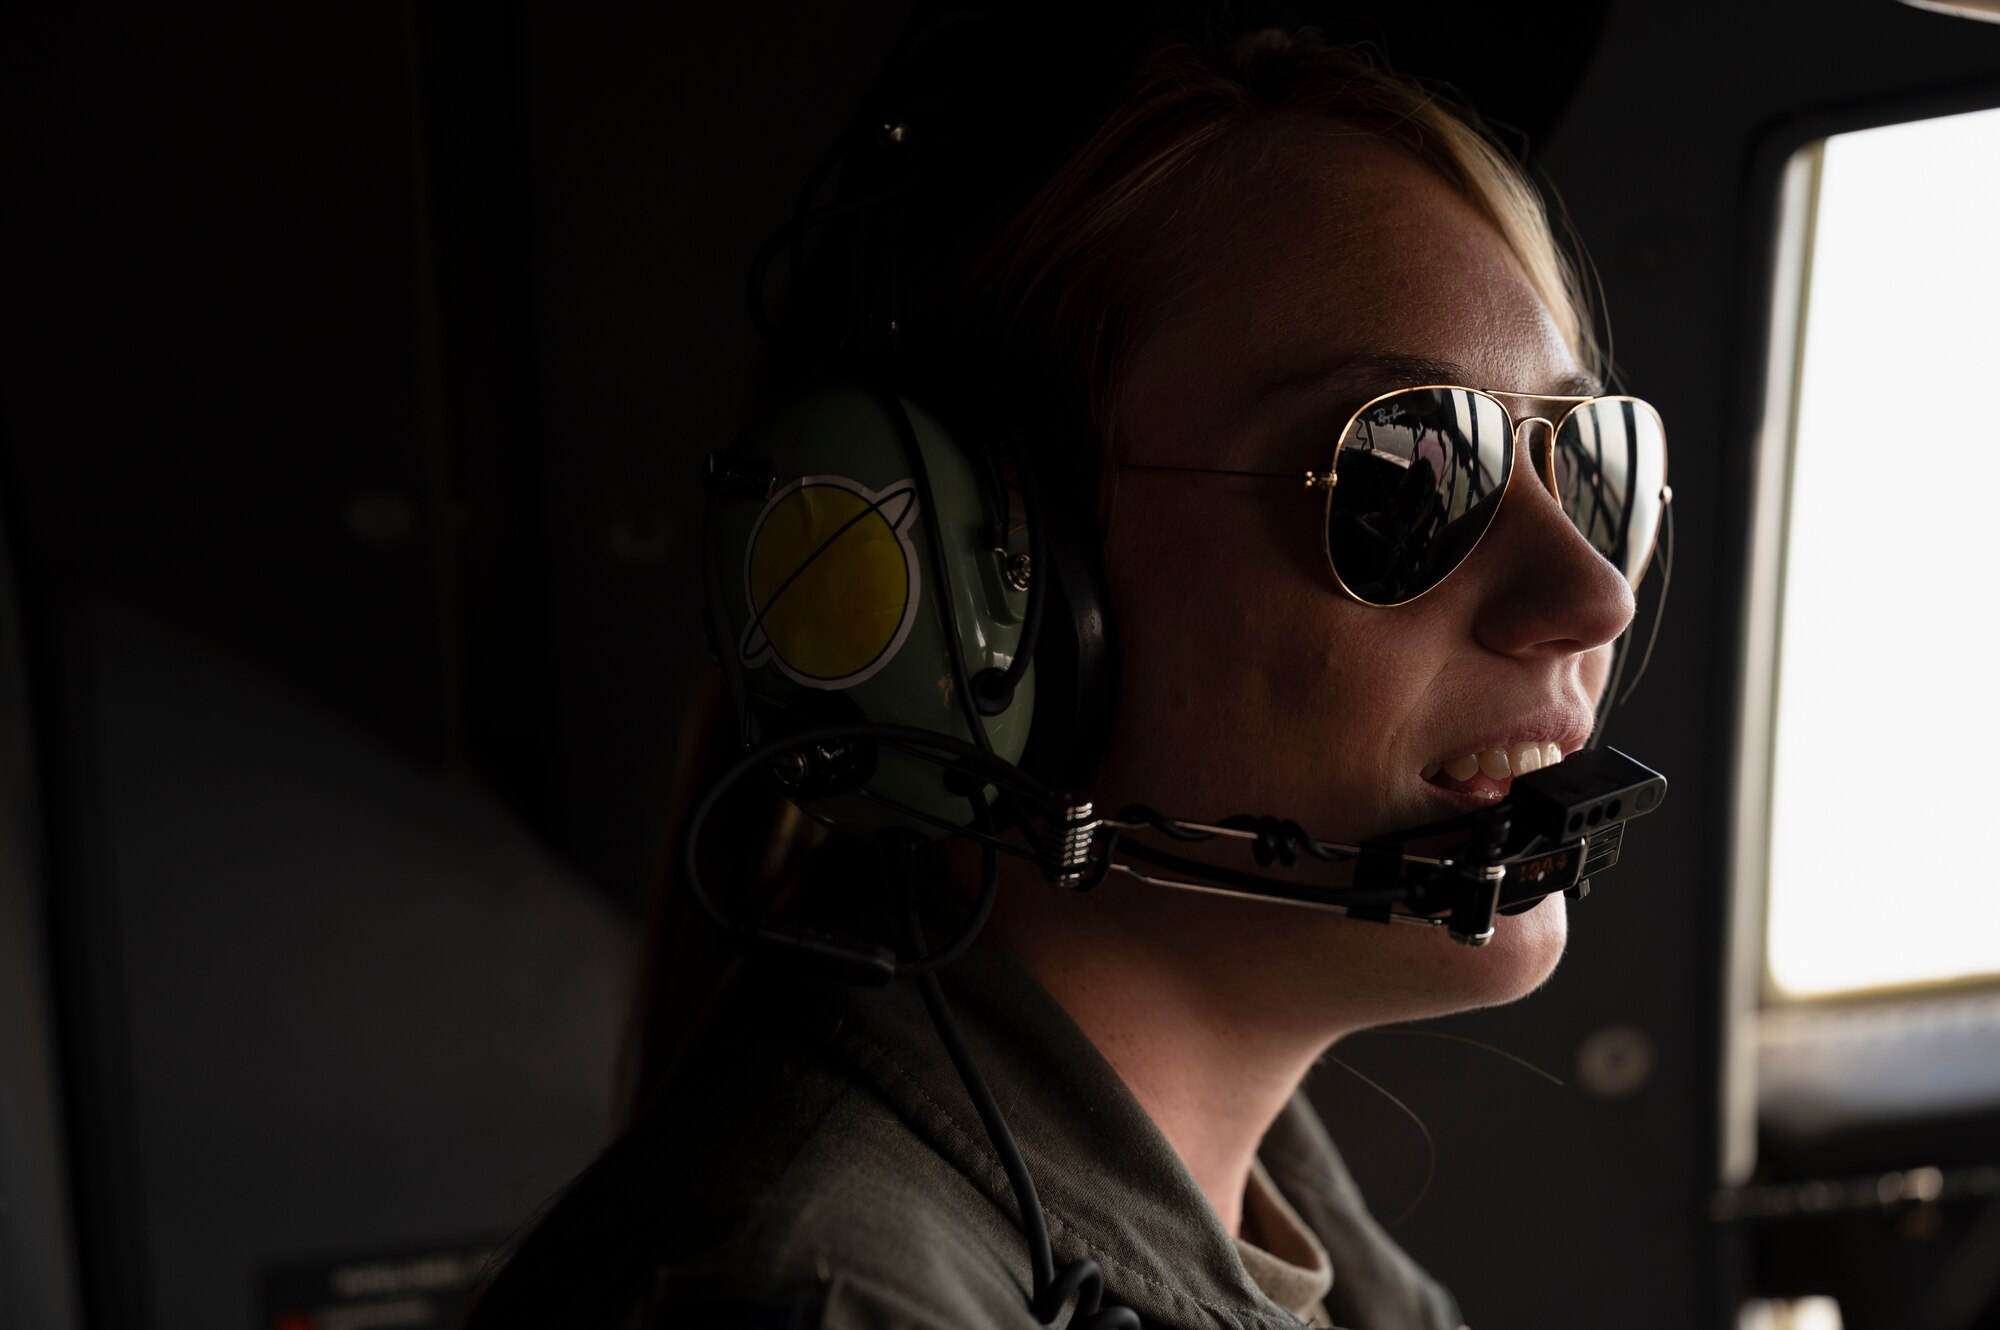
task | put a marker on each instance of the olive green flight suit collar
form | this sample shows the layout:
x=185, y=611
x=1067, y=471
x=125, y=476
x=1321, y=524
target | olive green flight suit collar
x=1112, y=1187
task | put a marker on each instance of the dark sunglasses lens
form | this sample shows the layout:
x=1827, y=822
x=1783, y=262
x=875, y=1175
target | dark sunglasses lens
x=1416, y=482
x=1610, y=465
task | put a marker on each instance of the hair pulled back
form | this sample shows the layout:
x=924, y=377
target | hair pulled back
x=1057, y=296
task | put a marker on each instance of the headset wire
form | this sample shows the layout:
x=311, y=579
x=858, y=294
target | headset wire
x=1081, y=1279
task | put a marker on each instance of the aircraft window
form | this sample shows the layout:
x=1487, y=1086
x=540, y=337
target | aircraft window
x=1885, y=713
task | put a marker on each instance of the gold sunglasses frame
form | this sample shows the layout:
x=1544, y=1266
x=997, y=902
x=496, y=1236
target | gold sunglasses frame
x=1315, y=480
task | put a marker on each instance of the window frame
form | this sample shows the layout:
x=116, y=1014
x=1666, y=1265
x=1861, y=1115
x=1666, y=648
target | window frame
x=1784, y=177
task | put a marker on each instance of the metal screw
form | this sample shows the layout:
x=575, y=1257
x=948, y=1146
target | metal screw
x=1019, y=571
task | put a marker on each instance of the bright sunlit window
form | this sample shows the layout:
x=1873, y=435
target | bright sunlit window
x=1885, y=759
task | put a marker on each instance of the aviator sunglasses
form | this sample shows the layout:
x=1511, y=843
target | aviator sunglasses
x=1418, y=474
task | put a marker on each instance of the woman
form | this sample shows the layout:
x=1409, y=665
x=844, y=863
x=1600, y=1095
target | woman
x=1260, y=238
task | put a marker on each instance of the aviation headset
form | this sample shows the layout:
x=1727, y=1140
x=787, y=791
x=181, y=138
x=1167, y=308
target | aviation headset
x=869, y=568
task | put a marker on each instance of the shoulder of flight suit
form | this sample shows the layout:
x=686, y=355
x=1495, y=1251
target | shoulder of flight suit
x=821, y=1210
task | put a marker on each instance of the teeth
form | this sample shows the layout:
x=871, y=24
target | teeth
x=1499, y=763
x=1461, y=768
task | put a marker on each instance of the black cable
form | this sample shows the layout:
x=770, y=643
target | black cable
x=1280, y=839
x=1016, y=783
x=1081, y=1279
x=789, y=232
x=1277, y=839
x=904, y=810
x=928, y=963
x=1160, y=822
x=746, y=930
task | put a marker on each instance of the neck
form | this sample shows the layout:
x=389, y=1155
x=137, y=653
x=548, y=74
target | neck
x=1185, y=1018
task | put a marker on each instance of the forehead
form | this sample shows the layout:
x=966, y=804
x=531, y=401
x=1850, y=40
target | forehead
x=1338, y=248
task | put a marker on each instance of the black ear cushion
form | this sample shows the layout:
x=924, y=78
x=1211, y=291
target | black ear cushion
x=1076, y=662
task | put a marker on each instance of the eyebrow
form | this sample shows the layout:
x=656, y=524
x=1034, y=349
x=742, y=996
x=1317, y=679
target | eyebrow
x=1357, y=376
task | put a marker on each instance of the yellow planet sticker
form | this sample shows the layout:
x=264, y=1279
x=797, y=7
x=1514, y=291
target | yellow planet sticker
x=831, y=579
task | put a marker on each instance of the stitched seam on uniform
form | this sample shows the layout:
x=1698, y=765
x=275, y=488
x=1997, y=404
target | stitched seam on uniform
x=984, y=1154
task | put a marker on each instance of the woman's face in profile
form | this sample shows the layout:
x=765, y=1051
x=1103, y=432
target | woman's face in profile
x=1251, y=683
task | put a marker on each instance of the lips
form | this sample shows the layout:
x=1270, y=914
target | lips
x=1478, y=763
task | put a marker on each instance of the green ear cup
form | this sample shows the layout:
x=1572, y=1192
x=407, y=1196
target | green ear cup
x=824, y=599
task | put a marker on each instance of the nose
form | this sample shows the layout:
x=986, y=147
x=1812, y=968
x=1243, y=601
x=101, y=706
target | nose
x=1544, y=589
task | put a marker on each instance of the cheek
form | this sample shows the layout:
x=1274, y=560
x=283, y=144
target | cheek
x=1195, y=621
x=1203, y=635
x=1246, y=675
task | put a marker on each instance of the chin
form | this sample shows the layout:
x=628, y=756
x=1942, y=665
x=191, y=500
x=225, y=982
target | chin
x=1525, y=949
x=1321, y=970
x=1421, y=974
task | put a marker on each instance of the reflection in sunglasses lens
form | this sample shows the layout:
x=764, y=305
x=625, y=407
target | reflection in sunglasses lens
x=1418, y=476
x=1610, y=464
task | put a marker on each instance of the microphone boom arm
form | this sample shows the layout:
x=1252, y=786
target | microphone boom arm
x=1552, y=831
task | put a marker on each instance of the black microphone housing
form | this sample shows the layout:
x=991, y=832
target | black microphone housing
x=1581, y=793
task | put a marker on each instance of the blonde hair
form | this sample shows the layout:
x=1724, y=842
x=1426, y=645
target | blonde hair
x=1068, y=279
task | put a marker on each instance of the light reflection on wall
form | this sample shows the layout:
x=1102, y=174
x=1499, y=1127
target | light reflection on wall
x=1791, y=1314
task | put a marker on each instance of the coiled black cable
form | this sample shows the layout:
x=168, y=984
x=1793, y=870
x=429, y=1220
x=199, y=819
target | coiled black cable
x=1275, y=840
x=1280, y=840
x=1270, y=888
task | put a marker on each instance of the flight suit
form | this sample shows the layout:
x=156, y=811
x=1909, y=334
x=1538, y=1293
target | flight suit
x=827, y=1169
